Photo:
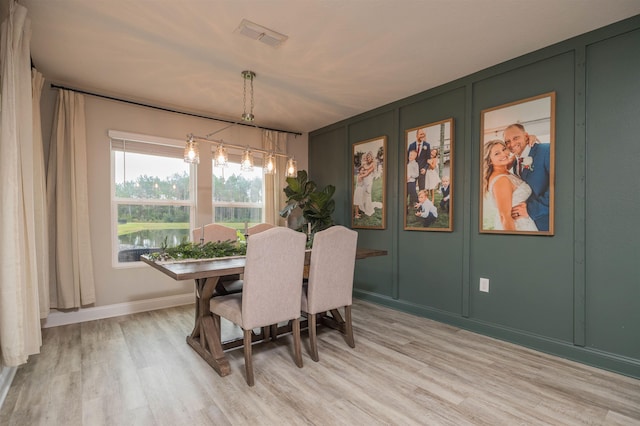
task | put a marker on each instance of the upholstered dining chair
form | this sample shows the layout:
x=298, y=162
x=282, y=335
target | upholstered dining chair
x=271, y=289
x=259, y=228
x=330, y=284
x=214, y=232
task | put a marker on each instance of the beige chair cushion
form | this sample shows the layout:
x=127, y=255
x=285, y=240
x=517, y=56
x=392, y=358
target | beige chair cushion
x=215, y=232
x=229, y=307
x=259, y=228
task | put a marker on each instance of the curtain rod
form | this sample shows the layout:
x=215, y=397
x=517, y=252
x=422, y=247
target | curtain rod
x=239, y=123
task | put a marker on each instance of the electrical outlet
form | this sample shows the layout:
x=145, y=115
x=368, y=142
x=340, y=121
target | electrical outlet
x=484, y=285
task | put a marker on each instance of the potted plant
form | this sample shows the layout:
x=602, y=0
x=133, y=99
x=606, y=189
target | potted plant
x=308, y=209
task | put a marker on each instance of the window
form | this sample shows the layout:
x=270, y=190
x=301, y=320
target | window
x=238, y=196
x=152, y=196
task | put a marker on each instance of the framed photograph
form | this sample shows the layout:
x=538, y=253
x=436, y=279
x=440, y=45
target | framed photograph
x=369, y=183
x=428, y=172
x=517, y=167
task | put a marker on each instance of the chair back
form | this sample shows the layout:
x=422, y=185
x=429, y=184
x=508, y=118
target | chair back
x=333, y=259
x=215, y=232
x=259, y=228
x=273, y=277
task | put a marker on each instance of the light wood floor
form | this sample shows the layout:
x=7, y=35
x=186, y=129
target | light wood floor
x=405, y=370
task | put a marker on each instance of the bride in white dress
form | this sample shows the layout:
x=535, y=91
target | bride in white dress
x=504, y=189
x=364, y=183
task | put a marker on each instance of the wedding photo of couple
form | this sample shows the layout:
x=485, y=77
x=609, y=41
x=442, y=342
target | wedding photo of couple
x=368, y=184
x=517, y=169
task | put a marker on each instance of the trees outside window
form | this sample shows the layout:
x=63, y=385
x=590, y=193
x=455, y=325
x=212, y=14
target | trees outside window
x=238, y=196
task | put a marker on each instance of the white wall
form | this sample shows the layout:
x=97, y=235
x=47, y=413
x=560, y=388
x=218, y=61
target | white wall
x=130, y=284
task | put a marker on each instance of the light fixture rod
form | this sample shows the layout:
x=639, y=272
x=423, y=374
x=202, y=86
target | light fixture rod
x=220, y=130
x=239, y=147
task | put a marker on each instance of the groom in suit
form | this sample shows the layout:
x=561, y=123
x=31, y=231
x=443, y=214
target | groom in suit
x=422, y=147
x=533, y=166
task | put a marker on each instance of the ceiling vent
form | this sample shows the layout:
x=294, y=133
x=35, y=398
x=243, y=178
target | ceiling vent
x=260, y=33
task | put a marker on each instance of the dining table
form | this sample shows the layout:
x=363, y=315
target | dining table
x=205, y=338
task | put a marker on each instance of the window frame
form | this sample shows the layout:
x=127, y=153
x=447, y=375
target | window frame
x=234, y=158
x=115, y=201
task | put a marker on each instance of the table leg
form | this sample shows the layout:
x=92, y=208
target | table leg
x=205, y=337
x=334, y=321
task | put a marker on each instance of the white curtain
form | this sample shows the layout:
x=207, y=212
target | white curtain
x=70, y=262
x=40, y=202
x=275, y=183
x=20, y=169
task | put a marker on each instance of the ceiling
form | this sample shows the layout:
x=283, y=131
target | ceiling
x=342, y=58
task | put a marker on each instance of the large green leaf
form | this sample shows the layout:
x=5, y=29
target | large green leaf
x=310, y=204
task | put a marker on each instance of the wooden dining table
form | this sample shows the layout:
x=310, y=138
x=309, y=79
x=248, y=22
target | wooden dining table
x=205, y=338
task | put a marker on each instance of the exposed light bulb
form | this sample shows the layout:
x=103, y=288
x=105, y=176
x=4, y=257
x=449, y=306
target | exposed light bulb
x=246, y=164
x=221, y=157
x=270, y=164
x=191, y=151
x=292, y=168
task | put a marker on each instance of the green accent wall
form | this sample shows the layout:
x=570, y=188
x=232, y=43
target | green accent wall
x=575, y=294
x=612, y=194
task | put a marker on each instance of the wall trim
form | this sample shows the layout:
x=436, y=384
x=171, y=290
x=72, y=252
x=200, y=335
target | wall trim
x=57, y=318
x=6, y=378
x=584, y=355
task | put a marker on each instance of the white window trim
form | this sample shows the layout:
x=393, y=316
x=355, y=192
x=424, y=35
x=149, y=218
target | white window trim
x=139, y=137
x=262, y=206
x=116, y=201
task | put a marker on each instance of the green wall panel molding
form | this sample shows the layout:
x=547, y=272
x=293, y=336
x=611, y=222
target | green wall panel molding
x=531, y=277
x=431, y=264
x=579, y=176
x=613, y=195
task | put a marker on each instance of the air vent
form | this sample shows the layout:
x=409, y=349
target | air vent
x=260, y=33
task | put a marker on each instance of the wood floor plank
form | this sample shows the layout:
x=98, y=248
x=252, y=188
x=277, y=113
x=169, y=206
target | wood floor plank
x=405, y=370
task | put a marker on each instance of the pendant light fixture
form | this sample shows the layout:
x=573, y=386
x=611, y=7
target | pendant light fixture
x=270, y=164
x=220, y=157
x=246, y=163
x=191, y=151
x=292, y=167
x=248, y=77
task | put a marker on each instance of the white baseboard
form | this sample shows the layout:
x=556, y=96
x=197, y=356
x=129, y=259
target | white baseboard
x=6, y=377
x=57, y=318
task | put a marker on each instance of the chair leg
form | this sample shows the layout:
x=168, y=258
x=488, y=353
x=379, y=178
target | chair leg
x=266, y=332
x=313, y=338
x=296, y=342
x=348, y=326
x=248, y=362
